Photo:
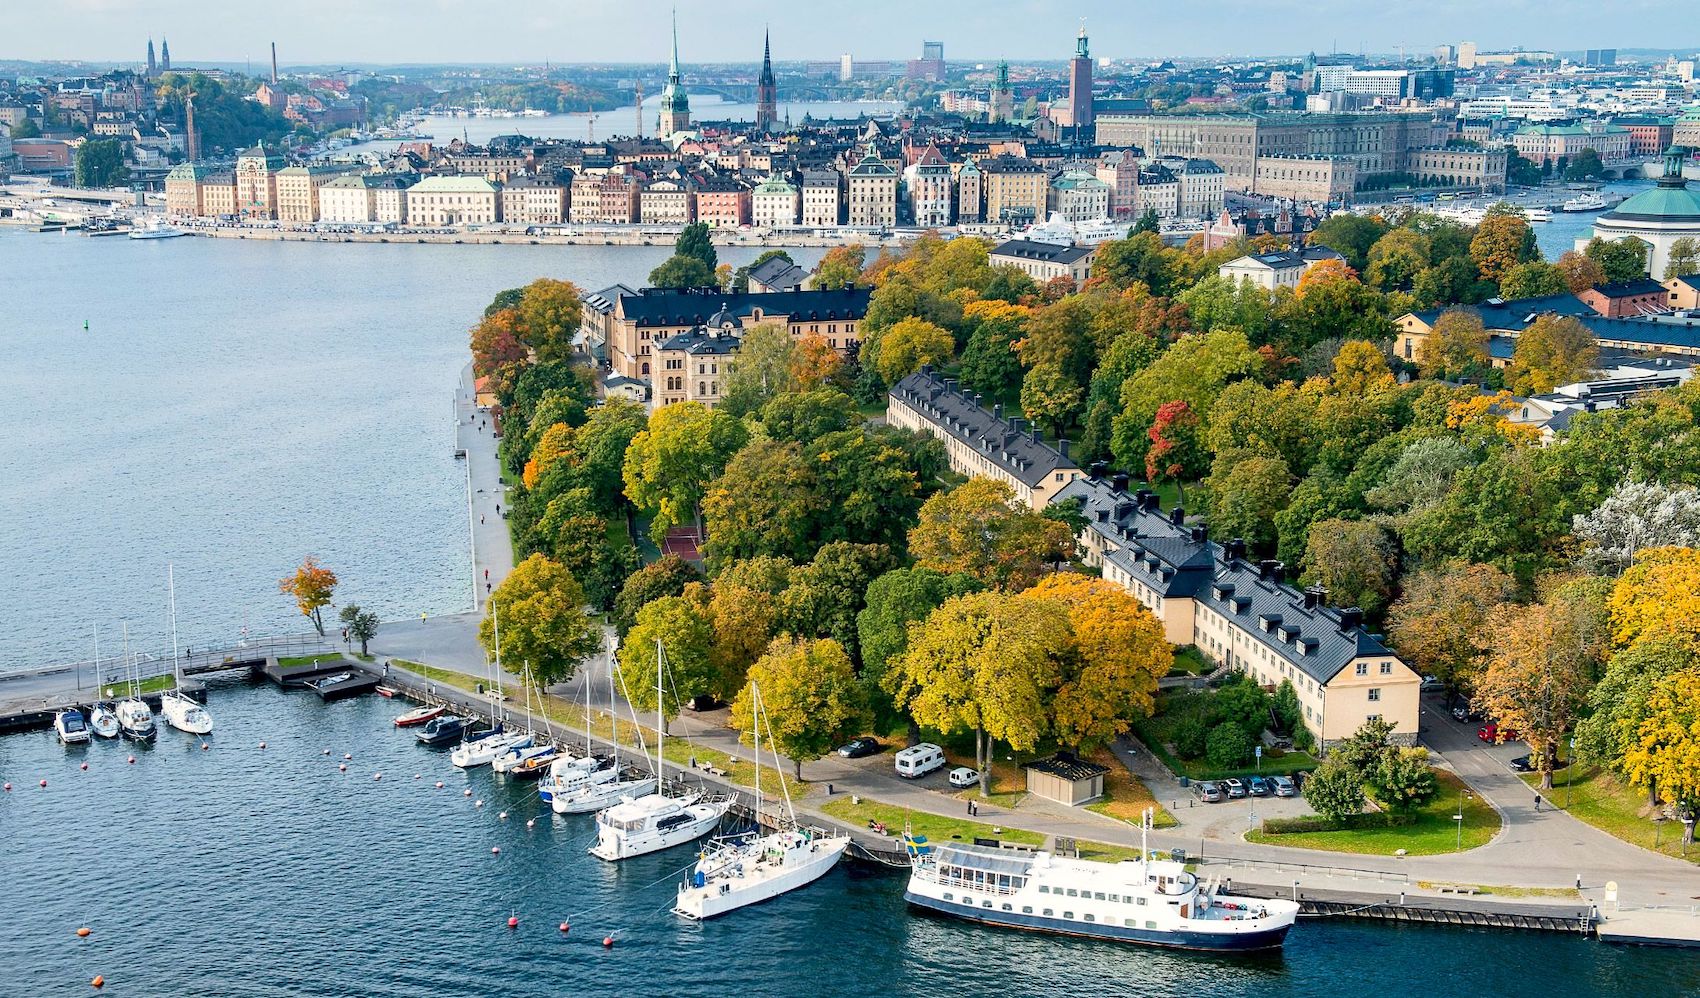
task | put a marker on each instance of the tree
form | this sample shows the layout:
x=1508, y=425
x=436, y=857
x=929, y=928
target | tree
x=1049, y=396
x=825, y=595
x=1636, y=516
x=360, y=624
x=807, y=416
x=1402, y=779
x=1457, y=342
x=549, y=314
x=1536, y=680
x=1060, y=334
x=909, y=344
x=1665, y=758
x=26, y=129
x=981, y=530
x=1684, y=257
x=1148, y=222
x=1421, y=475
x=1194, y=370
x=683, y=271
x=893, y=602
x=1658, y=596
x=1117, y=655
x=1227, y=746
x=670, y=464
x=1554, y=350
x=496, y=343
x=1396, y=258
x=809, y=694
x=1622, y=259
x=1246, y=491
x=1502, y=241
x=1352, y=236
x=1440, y=623
x=312, y=586
x=100, y=163
x=841, y=267
x=694, y=241
x=1533, y=279
x=1586, y=166
x=765, y=503
x=1580, y=271
x=1355, y=560
x=761, y=369
x=1141, y=258
x=1176, y=453
x=989, y=361
x=1335, y=790
x=1359, y=367
x=1618, y=703
x=680, y=625
x=545, y=632
x=667, y=576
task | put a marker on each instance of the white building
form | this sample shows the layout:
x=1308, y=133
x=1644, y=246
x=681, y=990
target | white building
x=1078, y=196
x=774, y=204
x=1276, y=270
x=456, y=200
x=1658, y=217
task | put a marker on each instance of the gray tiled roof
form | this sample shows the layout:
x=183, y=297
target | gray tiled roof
x=1025, y=249
x=1017, y=449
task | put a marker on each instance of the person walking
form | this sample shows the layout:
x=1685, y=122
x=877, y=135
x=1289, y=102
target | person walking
x=1537, y=803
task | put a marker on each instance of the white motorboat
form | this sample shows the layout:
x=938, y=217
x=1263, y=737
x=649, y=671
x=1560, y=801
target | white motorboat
x=135, y=720
x=1149, y=901
x=655, y=821
x=1586, y=201
x=102, y=721
x=1536, y=214
x=513, y=758
x=732, y=873
x=486, y=750
x=184, y=714
x=69, y=725
x=155, y=228
x=595, y=790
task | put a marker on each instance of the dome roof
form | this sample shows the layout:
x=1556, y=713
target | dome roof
x=724, y=319
x=1661, y=204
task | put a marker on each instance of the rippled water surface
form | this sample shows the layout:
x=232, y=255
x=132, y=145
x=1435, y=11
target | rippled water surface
x=231, y=407
x=241, y=871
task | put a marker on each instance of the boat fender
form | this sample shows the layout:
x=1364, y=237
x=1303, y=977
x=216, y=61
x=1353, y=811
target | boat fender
x=439, y=784
x=132, y=760
x=98, y=981
x=531, y=823
x=205, y=746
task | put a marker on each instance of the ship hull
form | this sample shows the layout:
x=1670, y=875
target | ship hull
x=1238, y=942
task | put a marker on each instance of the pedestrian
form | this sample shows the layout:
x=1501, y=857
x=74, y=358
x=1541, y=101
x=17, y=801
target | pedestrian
x=970, y=809
x=486, y=573
x=829, y=790
x=486, y=587
x=480, y=517
x=1537, y=803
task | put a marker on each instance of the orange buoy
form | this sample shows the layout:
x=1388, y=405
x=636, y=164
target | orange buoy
x=83, y=932
x=495, y=850
x=607, y=942
x=564, y=927
x=85, y=767
x=513, y=921
x=98, y=981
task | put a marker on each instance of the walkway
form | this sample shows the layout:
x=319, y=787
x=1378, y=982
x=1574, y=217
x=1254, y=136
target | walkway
x=475, y=434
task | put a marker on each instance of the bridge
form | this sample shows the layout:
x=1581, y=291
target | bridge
x=55, y=679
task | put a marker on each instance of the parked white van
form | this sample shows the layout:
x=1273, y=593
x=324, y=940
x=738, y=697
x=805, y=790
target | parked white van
x=919, y=760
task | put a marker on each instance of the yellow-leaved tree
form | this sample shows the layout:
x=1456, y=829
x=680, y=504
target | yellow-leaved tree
x=981, y=529
x=1658, y=595
x=312, y=585
x=1537, y=679
x=1112, y=666
x=810, y=698
x=555, y=443
x=1665, y=758
x=545, y=634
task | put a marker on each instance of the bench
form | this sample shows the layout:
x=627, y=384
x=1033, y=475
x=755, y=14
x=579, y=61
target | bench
x=1456, y=889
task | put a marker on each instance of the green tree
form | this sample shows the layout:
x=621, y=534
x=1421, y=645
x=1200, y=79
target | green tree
x=1148, y=222
x=980, y=529
x=1049, y=396
x=826, y=594
x=670, y=464
x=807, y=416
x=1457, y=342
x=1140, y=258
x=1352, y=236
x=682, y=271
x=545, y=632
x=767, y=502
x=893, y=602
x=1246, y=491
x=681, y=627
x=989, y=361
x=1617, y=705
x=1355, y=560
x=1242, y=703
x=550, y=313
x=763, y=367
x=26, y=129
x=1396, y=259
x=100, y=163
x=841, y=267
x=1194, y=370
x=1533, y=279
x=910, y=343
x=1586, y=166
x=1622, y=259
x=809, y=695
x=360, y=624
x=694, y=241
x=1228, y=746
x=1335, y=790
x=1402, y=780
x=1684, y=257
x=667, y=576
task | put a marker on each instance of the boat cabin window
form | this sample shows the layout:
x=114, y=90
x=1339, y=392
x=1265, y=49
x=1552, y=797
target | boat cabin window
x=985, y=904
x=1091, y=918
x=1008, y=908
x=949, y=896
x=1027, y=909
x=1150, y=925
x=1068, y=914
x=1047, y=912
x=1099, y=895
x=1043, y=889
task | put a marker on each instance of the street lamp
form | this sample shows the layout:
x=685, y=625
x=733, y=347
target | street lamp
x=1459, y=818
x=1570, y=775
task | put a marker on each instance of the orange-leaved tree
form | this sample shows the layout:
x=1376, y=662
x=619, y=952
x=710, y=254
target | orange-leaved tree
x=312, y=585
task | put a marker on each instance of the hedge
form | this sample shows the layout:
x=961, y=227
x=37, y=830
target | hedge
x=1352, y=822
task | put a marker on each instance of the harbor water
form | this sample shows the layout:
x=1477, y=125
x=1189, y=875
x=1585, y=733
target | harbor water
x=268, y=872
x=230, y=407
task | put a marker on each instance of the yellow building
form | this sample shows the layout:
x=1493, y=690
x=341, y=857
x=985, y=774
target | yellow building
x=693, y=365
x=1015, y=190
x=256, y=182
x=634, y=324
x=298, y=190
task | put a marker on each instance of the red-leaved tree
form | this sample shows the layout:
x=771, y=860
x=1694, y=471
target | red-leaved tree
x=1177, y=450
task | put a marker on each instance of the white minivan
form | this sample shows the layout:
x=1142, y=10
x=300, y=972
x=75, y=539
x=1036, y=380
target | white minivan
x=919, y=760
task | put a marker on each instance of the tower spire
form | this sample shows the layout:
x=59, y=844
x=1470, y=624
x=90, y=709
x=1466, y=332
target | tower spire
x=673, y=70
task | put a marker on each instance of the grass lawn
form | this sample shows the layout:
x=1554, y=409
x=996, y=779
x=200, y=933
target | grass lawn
x=152, y=684
x=934, y=827
x=1190, y=661
x=1125, y=796
x=603, y=725
x=309, y=661
x=1599, y=798
x=1433, y=833
x=1565, y=893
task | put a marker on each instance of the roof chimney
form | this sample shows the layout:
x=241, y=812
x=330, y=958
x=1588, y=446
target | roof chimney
x=997, y=410
x=1118, y=481
x=1038, y=437
x=1062, y=446
x=1200, y=533
x=1351, y=618
x=1177, y=516
x=1235, y=549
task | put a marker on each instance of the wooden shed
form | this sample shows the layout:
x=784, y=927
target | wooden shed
x=1065, y=779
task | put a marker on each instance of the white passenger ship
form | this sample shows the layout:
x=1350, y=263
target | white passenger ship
x=1153, y=902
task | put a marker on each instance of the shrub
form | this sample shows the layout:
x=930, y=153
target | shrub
x=1354, y=822
x=1228, y=746
x=1191, y=737
x=1335, y=789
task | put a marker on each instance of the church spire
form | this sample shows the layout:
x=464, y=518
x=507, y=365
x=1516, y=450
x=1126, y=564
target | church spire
x=673, y=69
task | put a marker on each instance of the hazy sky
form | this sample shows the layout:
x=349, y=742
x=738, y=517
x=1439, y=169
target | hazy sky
x=528, y=31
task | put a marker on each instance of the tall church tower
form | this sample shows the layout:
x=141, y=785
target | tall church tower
x=153, y=67
x=675, y=106
x=164, y=56
x=1003, y=98
x=1080, y=88
x=767, y=93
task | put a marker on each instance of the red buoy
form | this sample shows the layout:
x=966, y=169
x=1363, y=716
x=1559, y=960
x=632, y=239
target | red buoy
x=513, y=921
x=495, y=850
x=132, y=760
x=204, y=746
x=83, y=932
x=85, y=767
x=563, y=928
x=44, y=783
x=8, y=787
x=607, y=942
x=98, y=981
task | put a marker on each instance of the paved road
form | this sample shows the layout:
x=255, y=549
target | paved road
x=492, y=549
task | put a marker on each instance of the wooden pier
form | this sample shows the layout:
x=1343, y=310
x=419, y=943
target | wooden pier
x=1472, y=912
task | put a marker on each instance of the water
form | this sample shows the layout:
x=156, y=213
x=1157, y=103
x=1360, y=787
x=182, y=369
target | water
x=269, y=873
x=233, y=407
x=1560, y=234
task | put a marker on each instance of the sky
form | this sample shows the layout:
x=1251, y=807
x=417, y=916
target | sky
x=315, y=32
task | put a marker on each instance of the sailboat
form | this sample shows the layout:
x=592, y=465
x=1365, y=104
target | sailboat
x=656, y=821
x=521, y=754
x=135, y=718
x=484, y=750
x=102, y=721
x=732, y=873
x=582, y=790
x=181, y=712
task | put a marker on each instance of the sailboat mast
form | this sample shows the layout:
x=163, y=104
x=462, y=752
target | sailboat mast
x=97, y=657
x=660, y=720
x=171, y=586
x=755, y=730
x=613, y=715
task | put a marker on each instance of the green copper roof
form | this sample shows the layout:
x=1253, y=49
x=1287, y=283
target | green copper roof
x=1672, y=204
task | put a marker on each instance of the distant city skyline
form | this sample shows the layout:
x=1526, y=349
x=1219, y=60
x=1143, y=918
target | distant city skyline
x=318, y=32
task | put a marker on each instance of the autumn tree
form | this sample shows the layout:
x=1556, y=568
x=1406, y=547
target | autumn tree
x=1111, y=667
x=1658, y=596
x=682, y=271
x=360, y=624
x=1554, y=350
x=1622, y=259
x=1355, y=560
x=909, y=344
x=1580, y=271
x=312, y=587
x=669, y=465
x=1246, y=490
x=1502, y=241
x=1665, y=757
x=1051, y=397
x=980, y=529
x=550, y=313
x=1536, y=680
x=545, y=632
x=744, y=620
x=1177, y=451
x=1359, y=367
x=1619, y=703
x=497, y=343
x=816, y=363
x=761, y=369
x=1440, y=623
x=666, y=576
x=841, y=267
x=1350, y=235
x=1396, y=259
x=680, y=627
x=1533, y=279
x=809, y=695
x=1194, y=370
x=1457, y=342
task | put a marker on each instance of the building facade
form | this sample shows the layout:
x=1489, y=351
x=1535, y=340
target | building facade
x=822, y=200
x=445, y=201
x=872, y=197
x=1044, y=262
x=1016, y=190
x=633, y=324
x=930, y=189
x=256, y=182
x=774, y=204
x=534, y=201
x=1078, y=197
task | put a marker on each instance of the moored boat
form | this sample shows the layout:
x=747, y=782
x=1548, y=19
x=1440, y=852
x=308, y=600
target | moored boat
x=419, y=715
x=135, y=720
x=184, y=714
x=444, y=730
x=102, y=721
x=637, y=826
x=533, y=767
x=70, y=726
x=483, y=751
x=1586, y=201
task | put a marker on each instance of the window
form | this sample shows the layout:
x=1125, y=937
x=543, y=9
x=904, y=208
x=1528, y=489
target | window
x=1374, y=694
x=1068, y=914
x=1099, y=895
x=1043, y=889
x=1072, y=892
x=1362, y=669
x=949, y=896
x=1387, y=668
x=1372, y=717
x=1048, y=912
x=1008, y=908
x=1091, y=918
x=1027, y=909
x=1139, y=900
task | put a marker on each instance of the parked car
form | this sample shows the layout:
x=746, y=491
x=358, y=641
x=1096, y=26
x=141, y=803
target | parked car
x=1432, y=683
x=917, y=761
x=1235, y=787
x=1258, y=786
x=1208, y=792
x=963, y=776
x=1284, y=786
x=1492, y=732
x=1462, y=712
x=856, y=748
x=1526, y=764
